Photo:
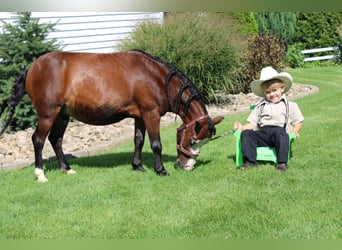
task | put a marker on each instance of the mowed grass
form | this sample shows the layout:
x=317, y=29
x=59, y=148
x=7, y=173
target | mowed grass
x=107, y=200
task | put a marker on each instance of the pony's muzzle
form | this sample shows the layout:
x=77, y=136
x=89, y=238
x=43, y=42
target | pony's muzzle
x=188, y=165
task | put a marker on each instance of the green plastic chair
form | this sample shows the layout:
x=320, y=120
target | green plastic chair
x=263, y=153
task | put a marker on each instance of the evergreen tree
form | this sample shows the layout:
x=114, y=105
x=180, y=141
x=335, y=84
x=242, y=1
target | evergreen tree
x=21, y=42
x=280, y=24
x=248, y=23
x=317, y=29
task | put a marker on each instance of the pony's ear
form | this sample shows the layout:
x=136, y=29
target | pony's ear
x=218, y=119
x=200, y=132
x=215, y=121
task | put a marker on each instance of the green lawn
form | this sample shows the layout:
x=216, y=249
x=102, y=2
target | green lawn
x=107, y=200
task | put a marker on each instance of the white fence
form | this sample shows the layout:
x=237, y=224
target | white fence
x=90, y=31
x=325, y=57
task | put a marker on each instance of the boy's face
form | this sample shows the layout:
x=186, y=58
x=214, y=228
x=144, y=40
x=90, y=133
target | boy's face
x=274, y=93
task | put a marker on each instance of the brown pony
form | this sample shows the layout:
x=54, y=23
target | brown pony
x=101, y=89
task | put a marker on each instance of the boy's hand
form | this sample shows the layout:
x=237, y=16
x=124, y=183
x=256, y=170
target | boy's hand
x=296, y=133
x=237, y=125
x=296, y=129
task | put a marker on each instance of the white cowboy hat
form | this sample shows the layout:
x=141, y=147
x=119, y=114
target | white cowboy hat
x=269, y=73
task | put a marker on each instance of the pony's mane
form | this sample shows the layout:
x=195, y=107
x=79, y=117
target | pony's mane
x=187, y=84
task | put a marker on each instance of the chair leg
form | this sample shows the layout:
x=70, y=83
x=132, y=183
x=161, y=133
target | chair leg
x=238, y=149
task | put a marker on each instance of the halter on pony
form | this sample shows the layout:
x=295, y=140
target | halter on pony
x=194, y=95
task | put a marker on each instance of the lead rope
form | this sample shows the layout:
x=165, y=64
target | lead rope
x=222, y=135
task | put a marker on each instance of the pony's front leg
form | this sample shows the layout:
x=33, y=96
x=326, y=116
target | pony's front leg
x=139, y=139
x=157, y=150
x=152, y=123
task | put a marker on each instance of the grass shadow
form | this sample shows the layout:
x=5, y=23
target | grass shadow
x=109, y=160
x=114, y=160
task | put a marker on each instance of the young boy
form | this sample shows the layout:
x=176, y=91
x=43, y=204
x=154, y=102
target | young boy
x=272, y=118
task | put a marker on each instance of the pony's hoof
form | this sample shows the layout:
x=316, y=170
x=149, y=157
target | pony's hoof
x=68, y=171
x=40, y=175
x=162, y=172
x=71, y=171
x=42, y=179
x=139, y=169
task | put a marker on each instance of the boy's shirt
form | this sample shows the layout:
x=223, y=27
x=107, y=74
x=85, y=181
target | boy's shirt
x=274, y=114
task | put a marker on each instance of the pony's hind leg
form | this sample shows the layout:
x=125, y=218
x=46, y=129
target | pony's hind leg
x=56, y=140
x=38, y=140
x=139, y=139
x=46, y=119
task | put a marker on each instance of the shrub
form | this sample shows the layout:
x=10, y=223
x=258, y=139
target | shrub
x=198, y=44
x=262, y=51
x=317, y=29
x=293, y=57
x=249, y=25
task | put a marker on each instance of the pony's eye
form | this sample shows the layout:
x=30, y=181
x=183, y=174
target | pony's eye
x=192, y=142
x=198, y=128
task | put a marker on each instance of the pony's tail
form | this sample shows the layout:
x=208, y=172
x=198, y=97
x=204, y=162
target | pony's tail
x=18, y=92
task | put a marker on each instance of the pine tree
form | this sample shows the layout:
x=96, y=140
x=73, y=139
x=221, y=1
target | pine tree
x=280, y=24
x=21, y=42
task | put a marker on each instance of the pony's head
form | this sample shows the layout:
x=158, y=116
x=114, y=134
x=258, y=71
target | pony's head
x=191, y=137
x=185, y=100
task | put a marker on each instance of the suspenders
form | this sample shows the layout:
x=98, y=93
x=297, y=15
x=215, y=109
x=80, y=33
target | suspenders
x=262, y=105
